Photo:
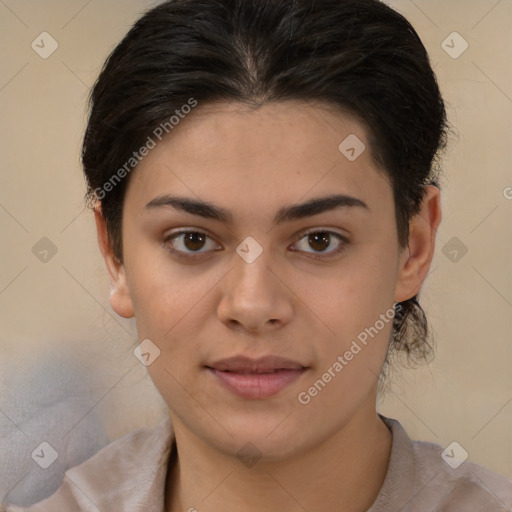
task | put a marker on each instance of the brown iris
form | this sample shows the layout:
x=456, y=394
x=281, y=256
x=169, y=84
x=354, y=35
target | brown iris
x=319, y=241
x=194, y=241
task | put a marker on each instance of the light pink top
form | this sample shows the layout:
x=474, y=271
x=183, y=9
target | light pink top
x=129, y=475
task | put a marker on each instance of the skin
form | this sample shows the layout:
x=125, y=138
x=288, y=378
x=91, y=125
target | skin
x=332, y=453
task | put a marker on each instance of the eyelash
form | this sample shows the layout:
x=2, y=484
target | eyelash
x=193, y=255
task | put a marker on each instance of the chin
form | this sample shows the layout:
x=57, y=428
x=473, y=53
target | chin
x=270, y=440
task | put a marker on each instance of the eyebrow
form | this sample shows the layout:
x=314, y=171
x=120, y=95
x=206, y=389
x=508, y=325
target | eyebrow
x=285, y=214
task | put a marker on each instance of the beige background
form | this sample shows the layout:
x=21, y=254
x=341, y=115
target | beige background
x=67, y=372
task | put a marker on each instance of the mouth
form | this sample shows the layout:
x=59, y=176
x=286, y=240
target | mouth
x=256, y=378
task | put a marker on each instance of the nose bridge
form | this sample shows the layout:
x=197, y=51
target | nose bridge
x=253, y=267
x=253, y=296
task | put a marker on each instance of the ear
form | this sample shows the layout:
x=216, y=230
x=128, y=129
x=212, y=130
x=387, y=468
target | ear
x=120, y=299
x=416, y=258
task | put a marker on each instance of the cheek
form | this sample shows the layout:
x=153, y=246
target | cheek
x=350, y=357
x=353, y=295
x=355, y=306
x=157, y=295
x=171, y=302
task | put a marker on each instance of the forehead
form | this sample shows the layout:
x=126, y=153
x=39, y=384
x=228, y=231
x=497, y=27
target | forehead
x=278, y=153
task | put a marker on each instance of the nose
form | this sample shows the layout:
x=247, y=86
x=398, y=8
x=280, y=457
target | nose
x=254, y=298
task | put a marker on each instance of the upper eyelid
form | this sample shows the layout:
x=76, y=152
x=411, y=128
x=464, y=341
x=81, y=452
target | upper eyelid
x=308, y=231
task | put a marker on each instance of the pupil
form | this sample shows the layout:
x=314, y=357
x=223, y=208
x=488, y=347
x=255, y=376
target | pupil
x=194, y=241
x=319, y=238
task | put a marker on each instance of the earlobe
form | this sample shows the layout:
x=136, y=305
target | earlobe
x=416, y=258
x=120, y=299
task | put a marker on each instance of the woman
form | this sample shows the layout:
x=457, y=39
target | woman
x=264, y=183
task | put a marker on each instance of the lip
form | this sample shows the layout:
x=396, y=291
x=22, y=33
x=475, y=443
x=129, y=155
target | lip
x=256, y=378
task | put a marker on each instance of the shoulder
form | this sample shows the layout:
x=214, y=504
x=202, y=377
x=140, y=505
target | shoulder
x=427, y=476
x=460, y=483
x=130, y=470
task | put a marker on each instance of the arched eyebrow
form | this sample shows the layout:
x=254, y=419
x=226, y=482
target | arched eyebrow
x=285, y=214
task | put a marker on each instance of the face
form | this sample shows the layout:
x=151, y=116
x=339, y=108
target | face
x=304, y=292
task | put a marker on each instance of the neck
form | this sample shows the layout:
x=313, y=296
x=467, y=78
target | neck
x=344, y=474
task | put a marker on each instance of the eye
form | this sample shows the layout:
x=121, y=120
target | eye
x=189, y=242
x=320, y=241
